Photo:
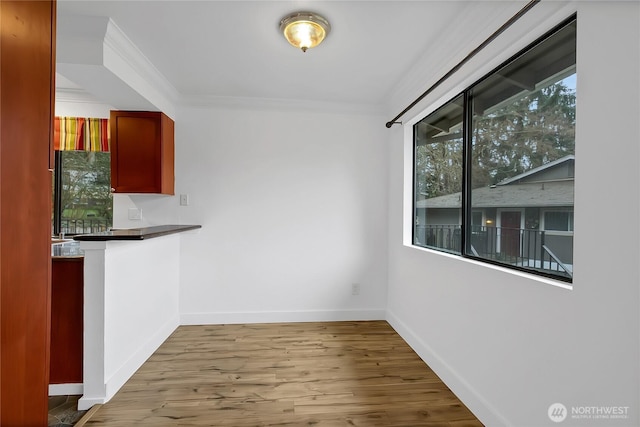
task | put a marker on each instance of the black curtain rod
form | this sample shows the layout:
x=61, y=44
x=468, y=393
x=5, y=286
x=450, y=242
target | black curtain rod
x=466, y=59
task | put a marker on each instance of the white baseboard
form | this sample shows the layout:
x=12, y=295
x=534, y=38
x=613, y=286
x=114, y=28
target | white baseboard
x=480, y=407
x=280, y=316
x=65, y=389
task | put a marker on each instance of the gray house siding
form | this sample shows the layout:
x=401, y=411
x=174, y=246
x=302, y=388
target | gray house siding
x=508, y=218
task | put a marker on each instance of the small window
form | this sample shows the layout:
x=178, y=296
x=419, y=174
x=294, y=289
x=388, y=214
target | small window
x=558, y=221
x=494, y=167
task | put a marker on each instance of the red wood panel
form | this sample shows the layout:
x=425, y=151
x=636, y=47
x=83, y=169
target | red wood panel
x=135, y=157
x=27, y=54
x=168, y=160
x=52, y=89
x=67, y=302
x=142, y=152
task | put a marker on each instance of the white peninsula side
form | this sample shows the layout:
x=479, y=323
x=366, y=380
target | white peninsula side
x=131, y=288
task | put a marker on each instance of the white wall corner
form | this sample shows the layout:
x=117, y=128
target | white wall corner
x=480, y=407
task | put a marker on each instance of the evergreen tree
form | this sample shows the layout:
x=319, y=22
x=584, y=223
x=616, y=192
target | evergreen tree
x=529, y=132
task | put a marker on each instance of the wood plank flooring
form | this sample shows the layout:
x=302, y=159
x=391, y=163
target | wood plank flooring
x=289, y=374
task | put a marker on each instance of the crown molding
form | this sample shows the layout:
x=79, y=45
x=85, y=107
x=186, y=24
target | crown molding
x=120, y=44
x=74, y=95
x=281, y=104
x=97, y=55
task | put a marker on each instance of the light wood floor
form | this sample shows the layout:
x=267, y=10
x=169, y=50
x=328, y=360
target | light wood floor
x=293, y=374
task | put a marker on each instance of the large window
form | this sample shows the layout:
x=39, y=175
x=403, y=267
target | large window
x=494, y=167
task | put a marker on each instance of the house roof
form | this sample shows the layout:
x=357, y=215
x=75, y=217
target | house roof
x=536, y=194
x=539, y=170
x=533, y=188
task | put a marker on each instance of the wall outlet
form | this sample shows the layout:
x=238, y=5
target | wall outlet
x=355, y=289
x=135, y=214
x=184, y=200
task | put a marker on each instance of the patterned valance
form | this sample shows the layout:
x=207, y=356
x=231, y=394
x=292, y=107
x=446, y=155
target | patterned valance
x=81, y=134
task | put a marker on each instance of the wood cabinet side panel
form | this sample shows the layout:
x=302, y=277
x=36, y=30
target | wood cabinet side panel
x=168, y=156
x=27, y=58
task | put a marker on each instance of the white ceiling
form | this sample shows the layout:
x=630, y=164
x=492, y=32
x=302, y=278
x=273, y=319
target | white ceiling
x=233, y=49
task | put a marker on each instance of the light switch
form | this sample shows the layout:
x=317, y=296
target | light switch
x=184, y=200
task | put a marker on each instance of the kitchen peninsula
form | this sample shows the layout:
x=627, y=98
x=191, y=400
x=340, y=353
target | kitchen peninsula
x=131, y=293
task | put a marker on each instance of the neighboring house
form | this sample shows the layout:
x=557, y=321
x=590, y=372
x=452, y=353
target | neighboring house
x=512, y=219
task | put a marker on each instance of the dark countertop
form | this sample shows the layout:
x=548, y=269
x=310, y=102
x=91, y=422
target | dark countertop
x=135, y=233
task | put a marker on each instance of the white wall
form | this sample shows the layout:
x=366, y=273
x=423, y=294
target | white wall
x=293, y=212
x=510, y=345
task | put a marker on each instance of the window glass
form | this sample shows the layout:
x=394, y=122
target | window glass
x=558, y=221
x=438, y=178
x=85, y=193
x=476, y=219
x=494, y=168
x=522, y=145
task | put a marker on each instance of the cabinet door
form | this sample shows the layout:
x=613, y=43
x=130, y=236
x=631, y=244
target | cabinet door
x=141, y=152
x=67, y=305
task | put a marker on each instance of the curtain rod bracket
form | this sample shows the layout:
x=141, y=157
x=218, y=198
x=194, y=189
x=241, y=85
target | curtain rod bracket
x=389, y=124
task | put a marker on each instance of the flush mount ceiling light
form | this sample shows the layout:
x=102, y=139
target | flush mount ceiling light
x=304, y=30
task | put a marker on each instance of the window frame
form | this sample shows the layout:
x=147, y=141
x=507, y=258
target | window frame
x=467, y=209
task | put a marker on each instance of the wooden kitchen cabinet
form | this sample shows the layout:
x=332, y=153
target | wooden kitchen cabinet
x=67, y=305
x=142, y=152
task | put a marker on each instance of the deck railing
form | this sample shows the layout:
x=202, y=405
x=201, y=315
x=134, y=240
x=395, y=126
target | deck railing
x=83, y=226
x=531, y=249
